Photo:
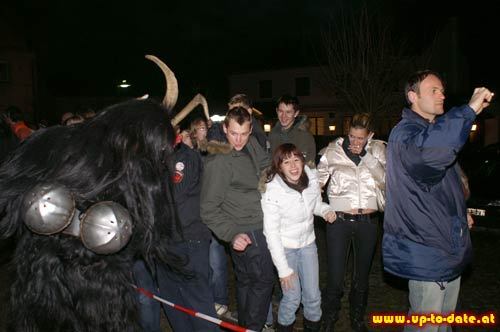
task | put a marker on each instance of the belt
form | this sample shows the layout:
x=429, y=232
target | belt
x=349, y=216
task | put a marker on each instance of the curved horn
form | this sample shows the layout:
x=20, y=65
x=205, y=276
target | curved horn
x=256, y=111
x=172, y=89
x=199, y=99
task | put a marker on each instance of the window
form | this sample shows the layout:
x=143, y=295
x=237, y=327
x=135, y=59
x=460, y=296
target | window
x=346, y=124
x=302, y=86
x=266, y=89
x=317, y=126
x=4, y=71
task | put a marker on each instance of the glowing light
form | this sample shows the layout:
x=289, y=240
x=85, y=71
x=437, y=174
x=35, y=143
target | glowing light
x=123, y=84
x=217, y=118
x=474, y=127
x=331, y=128
x=267, y=127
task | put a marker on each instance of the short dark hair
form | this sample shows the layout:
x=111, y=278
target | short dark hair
x=289, y=100
x=281, y=153
x=238, y=114
x=413, y=82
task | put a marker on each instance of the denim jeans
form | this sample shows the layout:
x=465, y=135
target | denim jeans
x=149, y=309
x=304, y=262
x=219, y=274
x=428, y=297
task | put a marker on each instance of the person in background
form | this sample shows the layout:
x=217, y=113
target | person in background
x=355, y=165
x=8, y=141
x=292, y=128
x=15, y=118
x=65, y=117
x=291, y=200
x=426, y=233
x=73, y=120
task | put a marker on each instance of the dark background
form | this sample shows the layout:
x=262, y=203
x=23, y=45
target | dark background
x=87, y=47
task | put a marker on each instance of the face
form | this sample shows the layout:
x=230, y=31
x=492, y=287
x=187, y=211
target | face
x=358, y=137
x=201, y=131
x=429, y=101
x=286, y=115
x=186, y=138
x=292, y=168
x=237, y=135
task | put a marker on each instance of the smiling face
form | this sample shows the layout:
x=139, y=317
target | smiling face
x=428, y=101
x=292, y=168
x=286, y=114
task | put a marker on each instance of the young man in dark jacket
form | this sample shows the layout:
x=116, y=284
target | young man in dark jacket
x=230, y=206
x=193, y=291
x=426, y=238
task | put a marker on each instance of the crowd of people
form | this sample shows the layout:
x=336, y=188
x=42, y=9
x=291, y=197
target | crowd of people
x=242, y=195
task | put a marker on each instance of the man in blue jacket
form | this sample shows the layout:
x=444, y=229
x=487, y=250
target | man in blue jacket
x=426, y=235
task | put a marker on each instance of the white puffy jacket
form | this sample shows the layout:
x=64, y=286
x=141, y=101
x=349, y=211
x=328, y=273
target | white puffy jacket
x=353, y=186
x=288, y=217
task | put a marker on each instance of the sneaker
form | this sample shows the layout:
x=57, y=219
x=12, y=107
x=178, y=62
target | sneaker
x=220, y=309
x=268, y=328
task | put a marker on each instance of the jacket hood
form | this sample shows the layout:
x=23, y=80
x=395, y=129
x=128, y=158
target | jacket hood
x=216, y=147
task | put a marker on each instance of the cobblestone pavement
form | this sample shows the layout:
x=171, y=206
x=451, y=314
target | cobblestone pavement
x=480, y=291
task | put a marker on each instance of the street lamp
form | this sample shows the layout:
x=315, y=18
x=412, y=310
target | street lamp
x=124, y=84
x=331, y=128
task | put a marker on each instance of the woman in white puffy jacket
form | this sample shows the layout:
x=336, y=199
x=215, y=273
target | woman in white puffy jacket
x=355, y=165
x=291, y=199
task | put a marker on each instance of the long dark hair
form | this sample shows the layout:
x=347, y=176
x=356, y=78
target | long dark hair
x=124, y=154
x=281, y=153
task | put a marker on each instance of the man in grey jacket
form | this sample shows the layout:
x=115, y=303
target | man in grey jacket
x=230, y=206
x=292, y=128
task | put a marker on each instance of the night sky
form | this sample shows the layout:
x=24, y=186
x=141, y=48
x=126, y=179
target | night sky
x=87, y=47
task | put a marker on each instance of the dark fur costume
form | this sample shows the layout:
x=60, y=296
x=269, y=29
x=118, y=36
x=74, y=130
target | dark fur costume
x=121, y=155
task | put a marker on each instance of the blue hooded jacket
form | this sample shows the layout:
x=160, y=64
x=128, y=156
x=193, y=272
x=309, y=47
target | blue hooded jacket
x=426, y=236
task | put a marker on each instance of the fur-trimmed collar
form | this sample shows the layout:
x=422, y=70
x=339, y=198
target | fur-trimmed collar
x=216, y=147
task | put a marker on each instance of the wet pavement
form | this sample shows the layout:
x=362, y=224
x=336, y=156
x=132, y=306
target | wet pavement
x=480, y=290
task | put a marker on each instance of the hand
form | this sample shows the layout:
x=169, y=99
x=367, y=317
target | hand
x=356, y=148
x=470, y=220
x=287, y=282
x=241, y=241
x=480, y=99
x=330, y=216
x=7, y=119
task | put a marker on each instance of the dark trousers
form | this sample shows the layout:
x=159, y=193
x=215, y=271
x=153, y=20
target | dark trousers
x=254, y=272
x=193, y=293
x=361, y=232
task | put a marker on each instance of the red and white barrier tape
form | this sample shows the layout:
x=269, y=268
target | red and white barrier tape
x=220, y=322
